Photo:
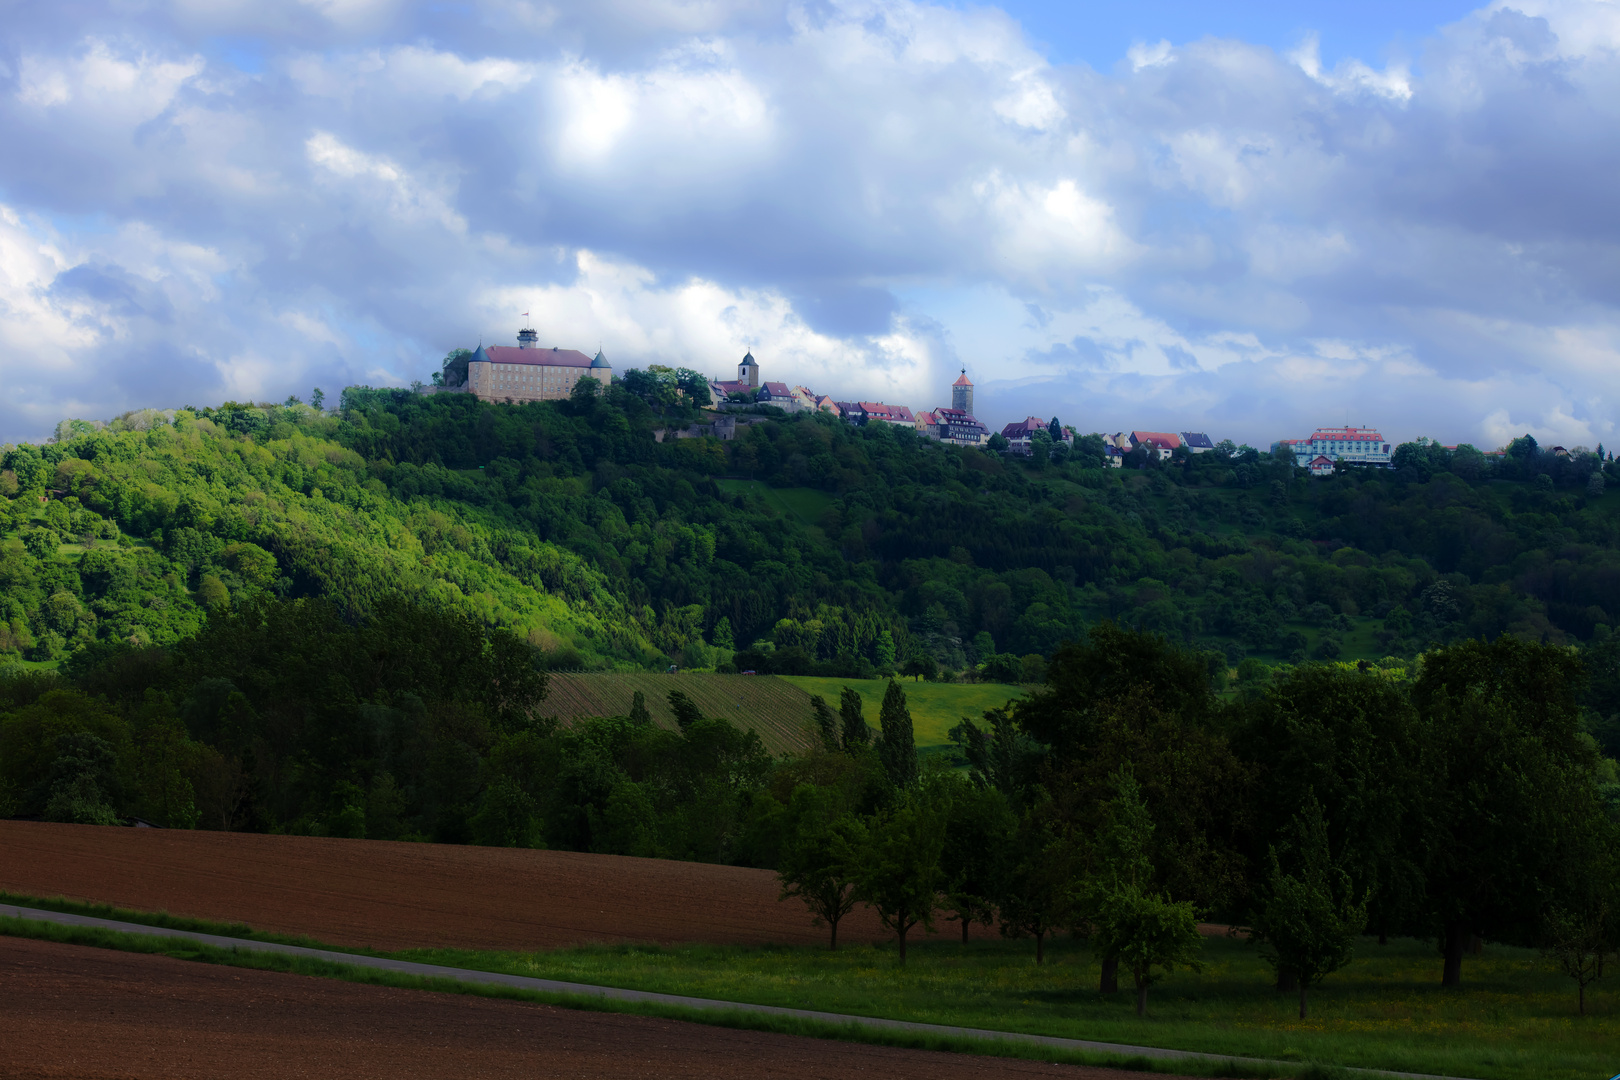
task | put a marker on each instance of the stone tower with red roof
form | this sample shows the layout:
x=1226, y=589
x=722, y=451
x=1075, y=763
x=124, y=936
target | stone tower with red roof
x=962, y=394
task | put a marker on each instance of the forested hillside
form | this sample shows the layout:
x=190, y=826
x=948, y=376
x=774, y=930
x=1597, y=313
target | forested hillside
x=275, y=618
x=569, y=523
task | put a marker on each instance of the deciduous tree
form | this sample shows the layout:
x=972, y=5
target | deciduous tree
x=1310, y=916
x=899, y=871
x=821, y=858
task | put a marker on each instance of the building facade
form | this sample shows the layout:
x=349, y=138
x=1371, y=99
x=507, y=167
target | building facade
x=1020, y=433
x=1352, y=445
x=959, y=427
x=527, y=372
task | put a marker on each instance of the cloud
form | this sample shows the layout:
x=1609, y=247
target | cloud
x=867, y=193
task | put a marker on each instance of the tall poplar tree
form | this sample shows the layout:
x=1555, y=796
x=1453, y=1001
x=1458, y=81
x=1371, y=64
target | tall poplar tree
x=897, y=744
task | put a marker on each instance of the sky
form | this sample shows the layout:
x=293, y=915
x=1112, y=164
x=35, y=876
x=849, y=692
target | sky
x=1248, y=219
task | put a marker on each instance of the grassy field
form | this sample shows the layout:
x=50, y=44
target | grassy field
x=1514, y=1019
x=779, y=711
x=935, y=707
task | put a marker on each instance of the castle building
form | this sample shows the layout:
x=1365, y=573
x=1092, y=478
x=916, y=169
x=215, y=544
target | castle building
x=528, y=372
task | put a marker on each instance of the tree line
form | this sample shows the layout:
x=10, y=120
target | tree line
x=1124, y=801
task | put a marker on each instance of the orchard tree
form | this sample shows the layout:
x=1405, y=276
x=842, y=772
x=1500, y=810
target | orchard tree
x=978, y=828
x=1118, y=860
x=1150, y=935
x=1352, y=741
x=899, y=873
x=1311, y=916
x=821, y=858
x=1512, y=791
x=1037, y=889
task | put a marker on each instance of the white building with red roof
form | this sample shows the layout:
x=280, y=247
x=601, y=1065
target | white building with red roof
x=1352, y=445
x=1162, y=443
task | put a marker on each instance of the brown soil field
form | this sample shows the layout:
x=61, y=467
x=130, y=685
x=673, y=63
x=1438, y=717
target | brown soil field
x=387, y=895
x=775, y=708
x=93, y=1014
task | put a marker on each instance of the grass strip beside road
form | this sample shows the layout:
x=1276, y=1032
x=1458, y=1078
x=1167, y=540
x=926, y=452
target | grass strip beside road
x=1514, y=1018
x=271, y=956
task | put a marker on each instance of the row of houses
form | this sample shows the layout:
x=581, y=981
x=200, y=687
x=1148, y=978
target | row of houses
x=531, y=373
x=956, y=424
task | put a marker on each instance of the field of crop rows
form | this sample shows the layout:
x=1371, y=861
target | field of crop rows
x=777, y=709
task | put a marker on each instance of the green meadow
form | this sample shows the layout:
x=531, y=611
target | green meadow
x=1513, y=1019
x=935, y=707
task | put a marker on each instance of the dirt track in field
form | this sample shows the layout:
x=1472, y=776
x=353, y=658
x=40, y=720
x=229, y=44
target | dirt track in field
x=93, y=1014
x=385, y=895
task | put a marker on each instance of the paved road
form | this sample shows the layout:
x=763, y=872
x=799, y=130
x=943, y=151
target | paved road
x=554, y=986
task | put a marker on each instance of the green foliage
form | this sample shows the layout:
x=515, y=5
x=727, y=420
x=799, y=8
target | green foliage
x=898, y=868
x=686, y=712
x=821, y=857
x=852, y=729
x=1150, y=935
x=1310, y=916
x=826, y=722
x=897, y=745
x=979, y=827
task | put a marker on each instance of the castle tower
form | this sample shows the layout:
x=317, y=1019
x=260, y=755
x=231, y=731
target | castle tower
x=528, y=339
x=962, y=394
x=748, y=371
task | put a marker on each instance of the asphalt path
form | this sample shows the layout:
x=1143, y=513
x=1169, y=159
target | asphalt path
x=613, y=993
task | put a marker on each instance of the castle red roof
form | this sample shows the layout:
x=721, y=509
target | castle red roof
x=963, y=381
x=511, y=354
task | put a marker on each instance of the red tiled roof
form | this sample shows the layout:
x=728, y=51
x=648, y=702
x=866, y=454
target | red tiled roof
x=1166, y=439
x=511, y=354
x=963, y=381
x=897, y=413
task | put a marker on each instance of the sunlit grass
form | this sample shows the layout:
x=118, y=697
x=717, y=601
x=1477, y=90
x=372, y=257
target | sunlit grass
x=935, y=707
x=1513, y=1018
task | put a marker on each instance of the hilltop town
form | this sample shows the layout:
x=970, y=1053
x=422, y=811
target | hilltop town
x=529, y=372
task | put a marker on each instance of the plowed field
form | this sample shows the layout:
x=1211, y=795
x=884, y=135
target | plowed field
x=67, y=1011
x=394, y=895
x=774, y=707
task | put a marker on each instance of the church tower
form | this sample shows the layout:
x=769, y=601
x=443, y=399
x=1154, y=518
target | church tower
x=962, y=394
x=748, y=371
